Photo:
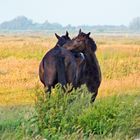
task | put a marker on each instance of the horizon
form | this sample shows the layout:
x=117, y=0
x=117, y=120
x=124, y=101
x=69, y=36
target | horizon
x=22, y=16
x=72, y=12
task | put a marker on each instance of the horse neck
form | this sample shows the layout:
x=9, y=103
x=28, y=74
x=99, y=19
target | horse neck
x=57, y=45
x=92, y=63
x=90, y=56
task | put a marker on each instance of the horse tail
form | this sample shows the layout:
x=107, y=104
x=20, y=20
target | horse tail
x=60, y=66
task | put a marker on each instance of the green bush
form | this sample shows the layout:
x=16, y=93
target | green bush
x=72, y=116
x=108, y=116
x=57, y=115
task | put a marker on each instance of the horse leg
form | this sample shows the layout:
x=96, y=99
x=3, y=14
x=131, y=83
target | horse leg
x=93, y=97
x=60, y=67
x=49, y=82
x=47, y=89
x=71, y=77
x=93, y=89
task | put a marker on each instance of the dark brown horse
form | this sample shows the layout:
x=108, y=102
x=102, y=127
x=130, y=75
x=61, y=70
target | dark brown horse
x=59, y=65
x=90, y=70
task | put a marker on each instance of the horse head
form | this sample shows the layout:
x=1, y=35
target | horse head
x=81, y=43
x=62, y=39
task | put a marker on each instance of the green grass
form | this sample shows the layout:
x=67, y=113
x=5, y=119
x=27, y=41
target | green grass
x=11, y=121
x=72, y=116
x=28, y=53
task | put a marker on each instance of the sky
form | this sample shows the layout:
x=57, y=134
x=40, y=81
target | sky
x=74, y=12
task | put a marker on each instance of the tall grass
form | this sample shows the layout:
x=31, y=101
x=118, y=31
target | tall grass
x=119, y=58
x=69, y=116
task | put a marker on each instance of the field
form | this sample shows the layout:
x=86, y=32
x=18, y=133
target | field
x=119, y=58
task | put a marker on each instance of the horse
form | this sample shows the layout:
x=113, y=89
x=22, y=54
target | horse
x=91, y=72
x=59, y=65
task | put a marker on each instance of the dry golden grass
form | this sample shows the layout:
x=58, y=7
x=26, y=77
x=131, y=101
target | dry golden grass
x=119, y=58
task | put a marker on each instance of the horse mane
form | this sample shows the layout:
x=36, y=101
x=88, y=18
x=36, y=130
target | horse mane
x=91, y=45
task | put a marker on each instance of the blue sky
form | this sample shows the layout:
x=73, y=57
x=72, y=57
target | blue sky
x=75, y=12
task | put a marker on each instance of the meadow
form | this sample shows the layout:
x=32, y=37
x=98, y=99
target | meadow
x=119, y=93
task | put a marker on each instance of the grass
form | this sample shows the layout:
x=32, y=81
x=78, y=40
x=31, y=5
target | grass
x=71, y=116
x=115, y=114
x=63, y=115
x=12, y=118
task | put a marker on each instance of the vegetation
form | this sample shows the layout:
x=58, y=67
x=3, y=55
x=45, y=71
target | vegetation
x=27, y=113
x=135, y=24
x=25, y=24
x=63, y=115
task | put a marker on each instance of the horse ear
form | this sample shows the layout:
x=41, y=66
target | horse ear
x=67, y=33
x=88, y=34
x=80, y=31
x=57, y=36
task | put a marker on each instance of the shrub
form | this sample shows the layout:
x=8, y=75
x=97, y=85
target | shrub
x=57, y=115
x=72, y=116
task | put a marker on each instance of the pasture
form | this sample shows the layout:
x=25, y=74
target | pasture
x=119, y=58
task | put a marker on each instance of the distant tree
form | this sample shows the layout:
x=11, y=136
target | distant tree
x=135, y=24
x=18, y=23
